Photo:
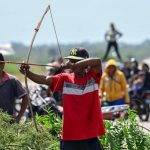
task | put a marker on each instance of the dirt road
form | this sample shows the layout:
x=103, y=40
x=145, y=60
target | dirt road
x=146, y=125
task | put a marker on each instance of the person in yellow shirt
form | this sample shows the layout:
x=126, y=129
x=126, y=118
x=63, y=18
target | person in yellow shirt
x=113, y=83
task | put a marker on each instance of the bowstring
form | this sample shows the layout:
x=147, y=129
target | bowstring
x=54, y=27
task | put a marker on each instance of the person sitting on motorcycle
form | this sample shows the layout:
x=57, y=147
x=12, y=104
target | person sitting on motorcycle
x=146, y=84
x=114, y=84
x=137, y=85
x=144, y=76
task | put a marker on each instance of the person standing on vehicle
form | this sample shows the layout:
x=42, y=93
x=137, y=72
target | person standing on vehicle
x=111, y=37
x=114, y=84
x=82, y=121
x=10, y=90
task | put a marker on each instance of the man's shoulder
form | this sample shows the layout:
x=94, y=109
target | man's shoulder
x=13, y=78
x=7, y=76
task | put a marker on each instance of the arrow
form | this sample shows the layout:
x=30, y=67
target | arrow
x=32, y=64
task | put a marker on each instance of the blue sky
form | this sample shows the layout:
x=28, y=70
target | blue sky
x=75, y=20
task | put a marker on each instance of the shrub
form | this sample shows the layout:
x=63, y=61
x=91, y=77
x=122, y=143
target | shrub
x=119, y=134
x=125, y=134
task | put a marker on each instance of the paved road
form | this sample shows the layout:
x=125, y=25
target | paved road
x=145, y=124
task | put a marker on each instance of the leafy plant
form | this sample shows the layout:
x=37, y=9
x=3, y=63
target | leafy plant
x=22, y=136
x=125, y=134
x=51, y=122
x=119, y=134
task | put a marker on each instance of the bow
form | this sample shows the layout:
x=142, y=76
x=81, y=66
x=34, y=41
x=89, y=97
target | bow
x=29, y=51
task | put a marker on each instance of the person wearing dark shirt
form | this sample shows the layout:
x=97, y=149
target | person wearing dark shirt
x=146, y=82
x=10, y=90
x=127, y=70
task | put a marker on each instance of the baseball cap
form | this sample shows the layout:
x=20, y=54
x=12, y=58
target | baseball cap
x=78, y=54
x=1, y=57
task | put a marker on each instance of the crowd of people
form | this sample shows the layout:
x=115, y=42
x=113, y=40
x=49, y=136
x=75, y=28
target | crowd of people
x=79, y=79
x=76, y=81
x=138, y=77
x=120, y=85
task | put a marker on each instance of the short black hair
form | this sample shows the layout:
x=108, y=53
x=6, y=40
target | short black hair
x=1, y=57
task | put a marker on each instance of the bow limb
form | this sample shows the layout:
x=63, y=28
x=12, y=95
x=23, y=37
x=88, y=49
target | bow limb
x=35, y=33
x=27, y=60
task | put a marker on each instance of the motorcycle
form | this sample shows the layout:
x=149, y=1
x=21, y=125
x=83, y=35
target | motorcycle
x=42, y=101
x=142, y=105
x=114, y=112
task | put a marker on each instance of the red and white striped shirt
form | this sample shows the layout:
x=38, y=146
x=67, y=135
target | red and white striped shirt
x=82, y=112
